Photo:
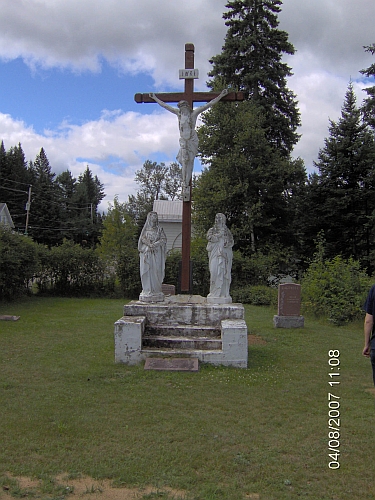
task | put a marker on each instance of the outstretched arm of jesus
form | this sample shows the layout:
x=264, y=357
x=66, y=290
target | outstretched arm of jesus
x=199, y=110
x=163, y=104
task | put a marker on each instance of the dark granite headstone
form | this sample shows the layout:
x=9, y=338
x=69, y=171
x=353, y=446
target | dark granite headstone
x=289, y=307
x=172, y=364
x=289, y=303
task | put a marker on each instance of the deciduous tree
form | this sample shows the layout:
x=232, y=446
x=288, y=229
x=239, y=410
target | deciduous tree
x=157, y=181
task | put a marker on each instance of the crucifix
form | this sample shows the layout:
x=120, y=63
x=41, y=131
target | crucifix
x=187, y=117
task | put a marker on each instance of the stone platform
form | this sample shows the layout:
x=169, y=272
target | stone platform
x=184, y=326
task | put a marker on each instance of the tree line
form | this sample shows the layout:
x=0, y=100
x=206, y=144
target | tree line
x=46, y=206
x=246, y=149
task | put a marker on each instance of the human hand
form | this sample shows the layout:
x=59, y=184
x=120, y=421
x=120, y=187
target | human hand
x=366, y=351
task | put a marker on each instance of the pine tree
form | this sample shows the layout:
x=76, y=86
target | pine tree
x=45, y=216
x=369, y=103
x=342, y=195
x=14, y=182
x=89, y=192
x=251, y=61
x=246, y=146
x=66, y=185
x=251, y=182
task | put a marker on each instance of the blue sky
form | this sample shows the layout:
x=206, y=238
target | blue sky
x=69, y=70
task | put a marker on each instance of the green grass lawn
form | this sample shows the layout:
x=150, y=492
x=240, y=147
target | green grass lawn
x=221, y=433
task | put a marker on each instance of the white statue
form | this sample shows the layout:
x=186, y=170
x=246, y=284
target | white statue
x=187, y=119
x=152, y=254
x=219, y=247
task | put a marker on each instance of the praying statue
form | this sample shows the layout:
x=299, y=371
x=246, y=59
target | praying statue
x=152, y=254
x=187, y=118
x=220, y=254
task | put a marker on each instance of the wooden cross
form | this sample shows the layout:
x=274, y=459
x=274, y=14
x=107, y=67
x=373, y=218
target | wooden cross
x=191, y=97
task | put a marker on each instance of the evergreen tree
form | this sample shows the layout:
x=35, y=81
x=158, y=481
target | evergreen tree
x=45, y=216
x=89, y=192
x=251, y=61
x=341, y=198
x=14, y=183
x=369, y=103
x=66, y=185
x=246, y=146
x=251, y=182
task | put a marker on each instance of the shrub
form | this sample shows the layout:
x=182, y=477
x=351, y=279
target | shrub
x=336, y=289
x=127, y=270
x=201, y=271
x=199, y=259
x=256, y=269
x=18, y=264
x=70, y=270
x=172, y=265
x=258, y=295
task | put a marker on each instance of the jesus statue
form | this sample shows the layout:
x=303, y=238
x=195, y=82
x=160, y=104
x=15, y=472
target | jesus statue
x=187, y=118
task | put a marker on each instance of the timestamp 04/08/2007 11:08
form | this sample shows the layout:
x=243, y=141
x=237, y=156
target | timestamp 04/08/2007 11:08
x=334, y=410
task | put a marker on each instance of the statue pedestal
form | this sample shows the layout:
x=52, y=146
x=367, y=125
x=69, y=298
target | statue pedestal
x=219, y=300
x=184, y=326
x=152, y=297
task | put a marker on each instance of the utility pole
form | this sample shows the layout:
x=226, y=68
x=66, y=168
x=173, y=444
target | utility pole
x=28, y=210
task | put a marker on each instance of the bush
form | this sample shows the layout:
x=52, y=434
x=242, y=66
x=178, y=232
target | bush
x=336, y=289
x=172, y=266
x=199, y=259
x=256, y=269
x=258, y=295
x=127, y=270
x=201, y=271
x=70, y=270
x=18, y=264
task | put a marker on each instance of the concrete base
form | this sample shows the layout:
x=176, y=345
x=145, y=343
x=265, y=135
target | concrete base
x=219, y=300
x=185, y=313
x=288, y=321
x=152, y=297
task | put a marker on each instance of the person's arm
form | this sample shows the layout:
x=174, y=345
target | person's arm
x=211, y=103
x=164, y=105
x=369, y=323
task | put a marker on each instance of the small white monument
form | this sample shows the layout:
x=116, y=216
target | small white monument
x=152, y=254
x=220, y=254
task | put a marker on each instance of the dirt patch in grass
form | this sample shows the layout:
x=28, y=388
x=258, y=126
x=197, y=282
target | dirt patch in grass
x=255, y=340
x=80, y=488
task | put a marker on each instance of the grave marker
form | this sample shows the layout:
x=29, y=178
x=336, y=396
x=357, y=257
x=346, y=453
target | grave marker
x=289, y=307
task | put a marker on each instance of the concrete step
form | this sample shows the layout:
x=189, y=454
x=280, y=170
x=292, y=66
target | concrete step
x=181, y=343
x=183, y=331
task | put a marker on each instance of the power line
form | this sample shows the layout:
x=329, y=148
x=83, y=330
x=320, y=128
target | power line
x=15, y=182
x=12, y=189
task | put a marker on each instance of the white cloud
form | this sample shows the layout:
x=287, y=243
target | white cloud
x=114, y=146
x=148, y=36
